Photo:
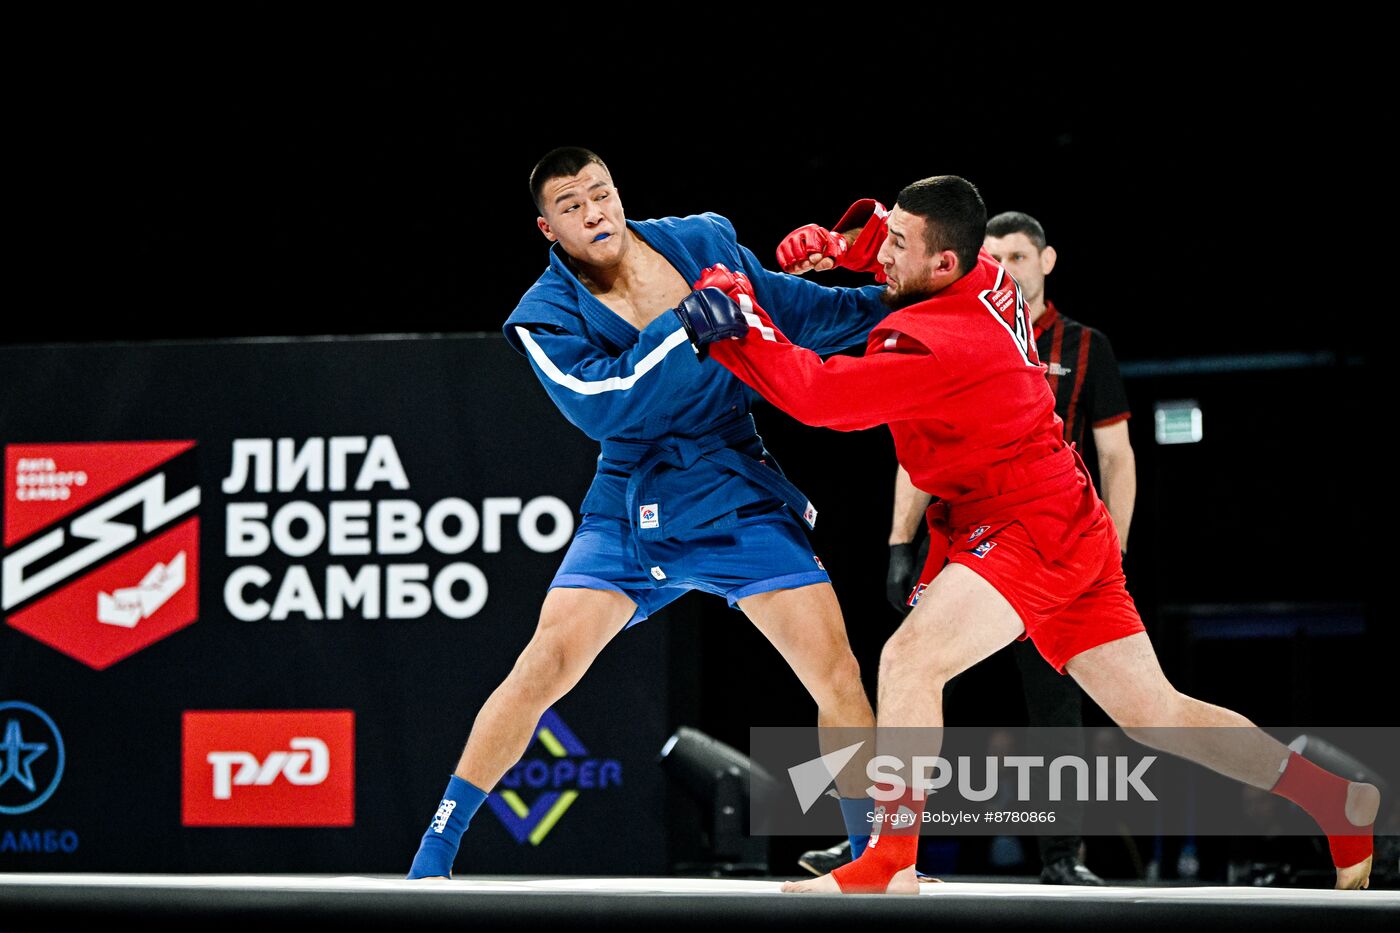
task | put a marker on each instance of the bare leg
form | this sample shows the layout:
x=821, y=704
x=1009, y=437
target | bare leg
x=806, y=627
x=574, y=626
x=960, y=620
x=1124, y=678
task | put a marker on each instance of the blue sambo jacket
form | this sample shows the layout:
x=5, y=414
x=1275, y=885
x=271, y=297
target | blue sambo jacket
x=677, y=437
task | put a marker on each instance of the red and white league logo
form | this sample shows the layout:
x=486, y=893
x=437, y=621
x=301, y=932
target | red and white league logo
x=101, y=545
x=268, y=768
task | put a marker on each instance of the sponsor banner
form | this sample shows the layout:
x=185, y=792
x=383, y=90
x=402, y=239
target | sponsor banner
x=366, y=526
x=102, y=552
x=268, y=768
x=1048, y=781
x=556, y=778
x=33, y=758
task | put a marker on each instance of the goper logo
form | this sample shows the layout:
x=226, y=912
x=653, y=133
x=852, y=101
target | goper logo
x=31, y=757
x=101, y=545
x=562, y=776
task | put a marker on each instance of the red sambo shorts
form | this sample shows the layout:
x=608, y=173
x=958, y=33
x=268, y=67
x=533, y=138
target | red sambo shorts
x=1068, y=605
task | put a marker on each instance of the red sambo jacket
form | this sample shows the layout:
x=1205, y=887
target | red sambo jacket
x=958, y=380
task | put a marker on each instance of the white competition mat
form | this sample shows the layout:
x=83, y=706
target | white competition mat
x=706, y=886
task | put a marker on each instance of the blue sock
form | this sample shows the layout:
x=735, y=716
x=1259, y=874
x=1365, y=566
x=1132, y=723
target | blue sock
x=856, y=811
x=438, y=849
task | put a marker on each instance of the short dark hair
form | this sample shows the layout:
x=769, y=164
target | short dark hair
x=1009, y=222
x=953, y=211
x=560, y=163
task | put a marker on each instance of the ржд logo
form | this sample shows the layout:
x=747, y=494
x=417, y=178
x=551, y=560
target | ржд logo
x=268, y=768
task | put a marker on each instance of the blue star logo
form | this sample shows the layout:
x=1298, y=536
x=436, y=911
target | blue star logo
x=17, y=756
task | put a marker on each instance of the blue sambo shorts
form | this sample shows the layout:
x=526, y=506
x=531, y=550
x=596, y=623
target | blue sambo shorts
x=763, y=552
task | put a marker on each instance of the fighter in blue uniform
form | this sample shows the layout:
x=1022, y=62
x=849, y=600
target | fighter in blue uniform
x=685, y=496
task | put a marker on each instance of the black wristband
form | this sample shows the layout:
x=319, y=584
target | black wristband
x=902, y=575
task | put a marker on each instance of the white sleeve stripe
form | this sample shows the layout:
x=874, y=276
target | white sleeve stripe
x=746, y=309
x=757, y=322
x=612, y=383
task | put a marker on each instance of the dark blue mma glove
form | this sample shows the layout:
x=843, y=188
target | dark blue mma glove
x=707, y=315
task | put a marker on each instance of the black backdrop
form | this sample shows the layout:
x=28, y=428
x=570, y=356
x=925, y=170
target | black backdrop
x=308, y=177
x=1202, y=186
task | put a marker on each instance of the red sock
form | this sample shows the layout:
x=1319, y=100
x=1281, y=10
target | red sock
x=894, y=845
x=1324, y=796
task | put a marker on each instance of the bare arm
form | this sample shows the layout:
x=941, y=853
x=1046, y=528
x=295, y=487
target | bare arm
x=1117, y=475
x=910, y=503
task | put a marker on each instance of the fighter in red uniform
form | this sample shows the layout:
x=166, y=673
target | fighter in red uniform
x=1031, y=549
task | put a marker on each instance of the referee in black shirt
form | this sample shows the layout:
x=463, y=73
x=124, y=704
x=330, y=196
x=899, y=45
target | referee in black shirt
x=1083, y=372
